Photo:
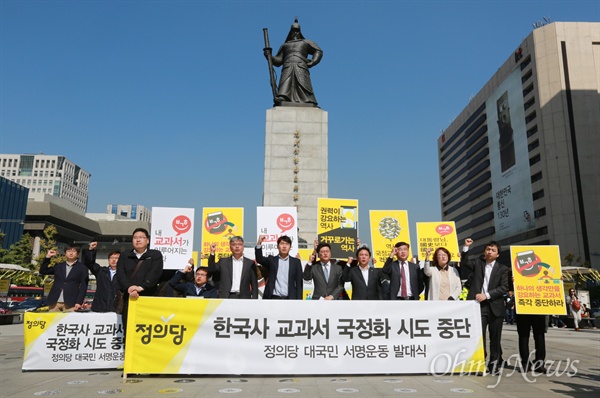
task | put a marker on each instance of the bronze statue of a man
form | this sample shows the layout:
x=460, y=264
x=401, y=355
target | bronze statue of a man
x=294, y=84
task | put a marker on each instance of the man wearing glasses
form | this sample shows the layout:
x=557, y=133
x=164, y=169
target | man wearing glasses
x=237, y=274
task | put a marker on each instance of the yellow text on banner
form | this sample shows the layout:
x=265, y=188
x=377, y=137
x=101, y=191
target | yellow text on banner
x=158, y=325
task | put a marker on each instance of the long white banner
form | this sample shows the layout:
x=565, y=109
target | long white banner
x=196, y=336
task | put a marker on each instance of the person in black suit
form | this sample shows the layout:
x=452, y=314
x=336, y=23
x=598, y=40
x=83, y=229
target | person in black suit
x=237, y=274
x=537, y=324
x=366, y=281
x=108, y=297
x=199, y=288
x=138, y=271
x=284, y=272
x=70, y=281
x=326, y=274
x=489, y=283
x=402, y=288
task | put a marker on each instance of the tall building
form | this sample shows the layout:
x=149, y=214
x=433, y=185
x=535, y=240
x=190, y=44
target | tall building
x=48, y=174
x=133, y=212
x=520, y=163
x=13, y=204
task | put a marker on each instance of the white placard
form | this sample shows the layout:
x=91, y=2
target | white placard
x=173, y=235
x=274, y=222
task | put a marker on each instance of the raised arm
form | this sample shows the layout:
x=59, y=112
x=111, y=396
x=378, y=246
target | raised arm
x=387, y=267
x=88, y=257
x=258, y=254
x=464, y=259
x=175, y=281
x=213, y=267
x=427, y=267
x=45, y=268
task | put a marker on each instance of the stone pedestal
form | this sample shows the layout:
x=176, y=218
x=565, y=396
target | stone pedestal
x=296, y=168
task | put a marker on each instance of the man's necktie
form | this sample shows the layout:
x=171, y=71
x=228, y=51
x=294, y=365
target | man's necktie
x=326, y=273
x=403, y=291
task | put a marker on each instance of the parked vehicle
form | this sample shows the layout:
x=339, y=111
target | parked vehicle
x=29, y=304
x=4, y=309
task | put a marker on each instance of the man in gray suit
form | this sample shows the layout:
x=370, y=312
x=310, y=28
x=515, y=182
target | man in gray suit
x=237, y=273
x=325, y=274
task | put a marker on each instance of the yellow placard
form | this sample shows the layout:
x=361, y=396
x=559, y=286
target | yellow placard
x=537, y=279
x=305, y=254
x=338, y=225
x=437, y=234
x=219, y=225
x=160, y=326
x=388, y=227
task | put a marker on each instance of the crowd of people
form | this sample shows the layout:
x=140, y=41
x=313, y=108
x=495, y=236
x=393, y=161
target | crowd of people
x=139, y=272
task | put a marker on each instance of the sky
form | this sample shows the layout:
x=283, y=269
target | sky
x=164, y=102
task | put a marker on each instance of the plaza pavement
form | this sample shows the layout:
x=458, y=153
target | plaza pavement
x=578, y=353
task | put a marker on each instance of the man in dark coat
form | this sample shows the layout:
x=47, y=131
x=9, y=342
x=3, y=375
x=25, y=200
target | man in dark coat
x=108, y=297
x=199, y=288
x=489, y=283
x=325, y=273
x=367, y=282
x=70, y=281
x=139, y=270
x=284, y=272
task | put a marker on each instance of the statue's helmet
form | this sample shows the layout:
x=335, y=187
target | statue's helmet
x=295, y=32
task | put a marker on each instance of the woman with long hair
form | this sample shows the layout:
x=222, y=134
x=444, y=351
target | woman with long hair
x=574, y=306
x=444, y=280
